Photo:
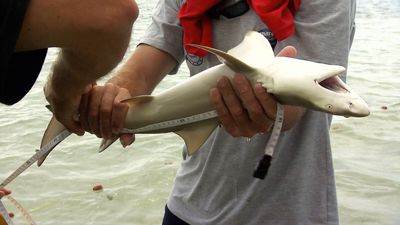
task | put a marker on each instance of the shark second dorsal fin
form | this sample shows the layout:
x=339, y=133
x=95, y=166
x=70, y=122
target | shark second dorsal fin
x=53, y=129
x=196, y=134
x=138, y=100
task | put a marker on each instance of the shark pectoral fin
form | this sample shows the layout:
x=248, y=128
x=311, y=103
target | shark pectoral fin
x=53, y=129
x=229, y=60
x=105, y=143
x=138, y=100
x=196, y=134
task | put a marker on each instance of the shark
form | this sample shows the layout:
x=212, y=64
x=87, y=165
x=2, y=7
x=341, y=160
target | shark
x=292, y=81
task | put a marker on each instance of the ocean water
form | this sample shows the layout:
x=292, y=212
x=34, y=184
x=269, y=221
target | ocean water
x=137, y=180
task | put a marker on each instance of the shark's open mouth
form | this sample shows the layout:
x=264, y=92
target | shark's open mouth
x=334, y=84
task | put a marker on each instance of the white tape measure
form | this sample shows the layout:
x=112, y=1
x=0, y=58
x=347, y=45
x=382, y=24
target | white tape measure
x=4, y=215
x=173, y=123
x=43, y=151
x=264, y=164
x=276, y=131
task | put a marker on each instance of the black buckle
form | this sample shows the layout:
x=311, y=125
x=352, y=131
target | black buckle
x=230, y=9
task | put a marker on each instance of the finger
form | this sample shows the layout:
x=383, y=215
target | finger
x=4, y=192
x=126, y=139
x=267, y=101
x=106, y=109
x=254, y=108
x=83, y=111
x=70, y=121
x=288, y=51
x=223, y=113
x=119, y=110
x=118, y=117
x=93, y=114
x=238, y=113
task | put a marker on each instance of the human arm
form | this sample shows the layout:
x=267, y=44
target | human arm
x=101, y=111
x=252, y=110
x=93, y=37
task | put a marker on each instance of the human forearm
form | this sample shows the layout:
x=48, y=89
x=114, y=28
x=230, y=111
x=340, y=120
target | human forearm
x=101, y=110
x=144, y=70
x=92, y=36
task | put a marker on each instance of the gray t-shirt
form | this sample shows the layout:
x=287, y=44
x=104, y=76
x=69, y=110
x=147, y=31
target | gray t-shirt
x=215, y=185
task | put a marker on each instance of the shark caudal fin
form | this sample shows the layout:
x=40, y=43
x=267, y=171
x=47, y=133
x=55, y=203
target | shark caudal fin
x=53, y=129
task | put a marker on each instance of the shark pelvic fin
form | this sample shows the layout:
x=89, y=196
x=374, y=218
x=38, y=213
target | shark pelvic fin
x=196, y=134
x=138, y=100
x=53, y=129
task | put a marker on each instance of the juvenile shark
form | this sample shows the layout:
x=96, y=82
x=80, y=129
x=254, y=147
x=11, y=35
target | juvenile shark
x=292, y=81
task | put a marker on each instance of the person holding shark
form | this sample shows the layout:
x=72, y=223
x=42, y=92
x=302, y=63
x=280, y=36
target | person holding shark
x=81, y=29
x=214, y=185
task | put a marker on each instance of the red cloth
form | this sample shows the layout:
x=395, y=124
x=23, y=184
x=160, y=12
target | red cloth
x=278, y=15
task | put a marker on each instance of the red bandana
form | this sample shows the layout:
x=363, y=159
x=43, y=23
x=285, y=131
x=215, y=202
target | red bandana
x=276, y=14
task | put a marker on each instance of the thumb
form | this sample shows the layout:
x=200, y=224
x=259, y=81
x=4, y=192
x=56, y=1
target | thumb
x=288, y=51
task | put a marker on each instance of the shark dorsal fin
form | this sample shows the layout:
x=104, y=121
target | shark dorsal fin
x=229, y=60
x=255, y=50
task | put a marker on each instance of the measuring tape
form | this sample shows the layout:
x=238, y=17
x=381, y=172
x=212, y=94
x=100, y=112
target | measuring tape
x=263, y=166
x=276, y=131
x=4, y=217
x=173, y=123
x=43, y=151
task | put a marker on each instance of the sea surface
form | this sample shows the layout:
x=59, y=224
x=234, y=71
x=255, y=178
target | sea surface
x=138, y=179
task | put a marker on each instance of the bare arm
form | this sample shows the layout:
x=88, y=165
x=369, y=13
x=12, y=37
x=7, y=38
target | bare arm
x=101, y=111
x=93, y=36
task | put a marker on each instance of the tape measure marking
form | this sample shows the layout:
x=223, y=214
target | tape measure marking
x=173, y=123
x=44, y=150
x=276, y=131
x=23, y=211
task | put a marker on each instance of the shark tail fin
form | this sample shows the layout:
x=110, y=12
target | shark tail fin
x=53, y=129
x=195, y=135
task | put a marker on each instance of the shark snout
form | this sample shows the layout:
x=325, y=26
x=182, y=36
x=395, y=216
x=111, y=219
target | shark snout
x=358, y=108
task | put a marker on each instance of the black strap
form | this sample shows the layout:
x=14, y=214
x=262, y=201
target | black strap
x=229, y=9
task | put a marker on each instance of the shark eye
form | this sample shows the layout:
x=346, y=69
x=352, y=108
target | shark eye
x=329, y=106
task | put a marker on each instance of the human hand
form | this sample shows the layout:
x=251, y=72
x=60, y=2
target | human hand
x=64, y=104
x=102, y=113
x=245, y=110
x=4, y=192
